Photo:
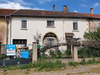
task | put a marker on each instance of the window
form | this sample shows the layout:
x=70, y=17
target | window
x=19, y=41
x=75, y=24
x=24, y=24
x=50, y=23
x=50, y=40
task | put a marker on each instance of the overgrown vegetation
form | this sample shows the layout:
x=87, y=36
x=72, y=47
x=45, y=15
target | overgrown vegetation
x=93, y=39
x=39, y=66
x=83, y=62
x=2, y=56
x=87, y=52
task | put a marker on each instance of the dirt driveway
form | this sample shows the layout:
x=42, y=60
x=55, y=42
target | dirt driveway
x=79, y=70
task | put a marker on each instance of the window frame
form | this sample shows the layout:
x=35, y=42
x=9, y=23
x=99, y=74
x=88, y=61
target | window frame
x=25, y=23
x=75, y=25
x=48, y=42
x=51, y=20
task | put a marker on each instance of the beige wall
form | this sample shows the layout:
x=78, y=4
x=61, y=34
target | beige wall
x=3, y=30
x=62, y=26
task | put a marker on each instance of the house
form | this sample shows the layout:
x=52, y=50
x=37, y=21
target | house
x=4, y=24
x=54, y=26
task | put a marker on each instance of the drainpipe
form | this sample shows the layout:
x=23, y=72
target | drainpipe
x=6, y=29
x=10, y=33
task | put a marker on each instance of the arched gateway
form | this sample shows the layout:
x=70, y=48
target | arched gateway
x=50, y=39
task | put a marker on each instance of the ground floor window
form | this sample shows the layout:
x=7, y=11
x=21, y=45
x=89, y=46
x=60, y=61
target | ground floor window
x=50, y=39
x=19, y=41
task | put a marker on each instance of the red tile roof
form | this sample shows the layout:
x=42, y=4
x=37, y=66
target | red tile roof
x=42, y=13
x=4, y=12
x=92, y=15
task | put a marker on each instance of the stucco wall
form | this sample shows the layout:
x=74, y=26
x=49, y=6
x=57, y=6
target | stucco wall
x=3, y=30
x=62, y=25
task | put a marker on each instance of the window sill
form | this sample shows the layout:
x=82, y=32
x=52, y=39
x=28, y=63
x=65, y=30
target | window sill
x=24, y=29
x=50, y=27
x=75, y=30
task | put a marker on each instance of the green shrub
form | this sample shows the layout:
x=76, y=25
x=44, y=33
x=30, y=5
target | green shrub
x=52, y=53
x=59, y=53
x=88, y=52
x=39, y=66
x=2, y=56
x=83, y=62
x=68, y=53
x=73, y=63
x=93, y=61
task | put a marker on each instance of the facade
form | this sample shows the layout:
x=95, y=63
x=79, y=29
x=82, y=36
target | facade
x=53, y=26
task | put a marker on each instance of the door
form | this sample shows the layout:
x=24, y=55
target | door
x=69, y=38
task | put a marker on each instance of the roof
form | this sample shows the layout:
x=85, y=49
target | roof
x=69, y=34
x=92, y=15
x=43, y=13
x=4, y=12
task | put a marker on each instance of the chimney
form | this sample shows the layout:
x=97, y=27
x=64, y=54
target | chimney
x=91, y=10
x=53, y=8
x=64, y=8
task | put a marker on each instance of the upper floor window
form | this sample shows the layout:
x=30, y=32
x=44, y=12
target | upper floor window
x=50, y=23
x=24, y=24
x=75, y=24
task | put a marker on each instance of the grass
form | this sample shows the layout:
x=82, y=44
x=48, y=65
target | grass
x=83, y=62
x=39, y=66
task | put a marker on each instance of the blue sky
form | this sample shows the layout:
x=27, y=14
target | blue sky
x=81, y=6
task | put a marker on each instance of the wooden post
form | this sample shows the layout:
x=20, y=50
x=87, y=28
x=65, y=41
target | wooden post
x=34, y=56
x=75, y=53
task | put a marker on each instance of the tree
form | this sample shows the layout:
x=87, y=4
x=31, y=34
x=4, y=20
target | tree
x=93, y=39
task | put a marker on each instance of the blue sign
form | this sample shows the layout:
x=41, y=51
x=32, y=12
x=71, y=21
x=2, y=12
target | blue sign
x=10, y=51
x=25, y=54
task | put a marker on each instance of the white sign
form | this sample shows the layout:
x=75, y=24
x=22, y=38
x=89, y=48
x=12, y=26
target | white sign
x=11, y=50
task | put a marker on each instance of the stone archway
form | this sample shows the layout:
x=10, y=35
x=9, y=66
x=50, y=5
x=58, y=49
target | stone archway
x=50, y=39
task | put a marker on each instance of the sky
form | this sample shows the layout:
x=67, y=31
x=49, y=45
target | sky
x=80, y=6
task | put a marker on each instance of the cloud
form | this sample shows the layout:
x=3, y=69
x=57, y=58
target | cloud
x=83, y=5
x=44, y=1
x=22, y=2
x=96, y=4
x=75, y=11
x=37, y=8
x=12, y=5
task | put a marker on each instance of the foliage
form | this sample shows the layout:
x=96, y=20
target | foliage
x=83, y=62
x=93, y=39
x=59, y=53
x=88, y=52
x=73, y=63
x=2, y=56
x=39, y=66
x=52, y=53
x=68, y=53
x=93, y=35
